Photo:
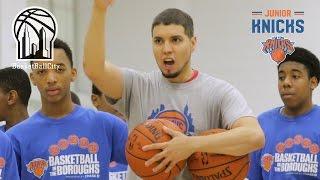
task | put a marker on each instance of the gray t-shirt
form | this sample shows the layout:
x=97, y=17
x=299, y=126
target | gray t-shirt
x=201, y=104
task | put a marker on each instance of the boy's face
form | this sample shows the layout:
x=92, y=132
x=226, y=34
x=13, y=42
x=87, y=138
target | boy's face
x=172, y=49
x=294, y=84
x=54, y=84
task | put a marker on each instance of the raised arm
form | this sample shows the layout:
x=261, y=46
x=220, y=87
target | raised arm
x=106, y=76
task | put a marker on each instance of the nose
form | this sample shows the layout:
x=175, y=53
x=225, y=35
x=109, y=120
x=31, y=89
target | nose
x=167, y=47
x=51, y=77
x=287, y=82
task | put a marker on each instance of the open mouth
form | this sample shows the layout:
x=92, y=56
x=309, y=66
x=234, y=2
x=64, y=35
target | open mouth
x=168, y=62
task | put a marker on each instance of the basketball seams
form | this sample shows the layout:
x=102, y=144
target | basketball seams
x=246, y=164
x=144, y=135
x=241, y=157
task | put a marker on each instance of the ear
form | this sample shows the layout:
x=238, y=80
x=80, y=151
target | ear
x=73, y=74
x=193, y=43
x=32, y=78
x=12, y=97
x=95, y=100
x=314, y=82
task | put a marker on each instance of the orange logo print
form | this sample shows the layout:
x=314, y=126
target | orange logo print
x=83, y=142
x=38, y=167
x=73, y=139
x=2, y=162
x=266, y=162
x=93, y=148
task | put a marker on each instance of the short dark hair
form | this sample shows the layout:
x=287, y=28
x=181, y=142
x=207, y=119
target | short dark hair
x=307, y=58
x=174, y=16
x=74, y=97
x=95, y=90
x=18, y=80
x=57, y=44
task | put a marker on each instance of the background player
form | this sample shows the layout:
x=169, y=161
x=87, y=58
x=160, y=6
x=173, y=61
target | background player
x=15, y=90
x=293, y=130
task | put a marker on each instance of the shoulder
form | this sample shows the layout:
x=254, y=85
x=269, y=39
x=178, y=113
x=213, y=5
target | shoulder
x=214, y=83
x=4, y=139
x=268, y=116
x=25, y=126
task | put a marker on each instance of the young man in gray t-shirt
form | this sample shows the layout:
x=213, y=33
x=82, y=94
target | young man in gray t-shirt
x=193, y=100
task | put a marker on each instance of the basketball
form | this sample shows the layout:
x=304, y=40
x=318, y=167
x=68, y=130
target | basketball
x=278, y=55
x=217, y=166
x=151, y=131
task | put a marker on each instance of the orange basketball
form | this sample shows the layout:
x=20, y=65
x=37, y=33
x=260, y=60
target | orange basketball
x=151, y=131
x=217, y=166
x=278, y=55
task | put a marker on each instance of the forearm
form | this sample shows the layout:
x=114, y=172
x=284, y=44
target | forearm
x=236, y=142
x=94, y=48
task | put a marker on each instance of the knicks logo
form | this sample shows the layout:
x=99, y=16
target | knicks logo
x=2, y=162
x=182, y=120
x=175, y=117
x=266, y=162
x=278, y=48
x=37, y=166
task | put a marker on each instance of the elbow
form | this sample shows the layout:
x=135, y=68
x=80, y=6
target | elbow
x=257, y=140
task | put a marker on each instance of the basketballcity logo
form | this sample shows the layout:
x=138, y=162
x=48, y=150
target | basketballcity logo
x=34, y=30
x=273, y=21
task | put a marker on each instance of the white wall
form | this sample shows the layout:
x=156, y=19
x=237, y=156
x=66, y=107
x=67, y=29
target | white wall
x=226, y=47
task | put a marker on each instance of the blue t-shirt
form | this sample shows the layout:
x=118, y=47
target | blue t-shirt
x=117, y=171
x=8, y=162
x=79, y=145
x=292, y=147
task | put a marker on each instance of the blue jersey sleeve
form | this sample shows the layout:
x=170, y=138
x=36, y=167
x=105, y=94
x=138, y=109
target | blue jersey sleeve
x=16, y=150
x=10, y=170
x=119, y=139
x=255, y=171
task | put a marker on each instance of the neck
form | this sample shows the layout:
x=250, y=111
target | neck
x=17, y=114
x=57, y=109
x=184, y=75
x=296, y=111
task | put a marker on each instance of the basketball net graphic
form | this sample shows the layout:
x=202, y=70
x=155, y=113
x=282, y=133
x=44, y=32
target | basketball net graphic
x=34, y=30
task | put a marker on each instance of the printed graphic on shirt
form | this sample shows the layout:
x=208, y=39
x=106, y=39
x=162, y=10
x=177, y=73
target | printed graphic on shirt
x=117, y=171
x=2, y=165
x=303, y=163
x=267, y=161
x=37, y=167
x=84, y=165
x=183, y=120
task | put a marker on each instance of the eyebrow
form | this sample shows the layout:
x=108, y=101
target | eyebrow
x=61, y=64
x=292, y=70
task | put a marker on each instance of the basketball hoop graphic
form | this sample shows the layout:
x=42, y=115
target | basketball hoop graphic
x=34, y=30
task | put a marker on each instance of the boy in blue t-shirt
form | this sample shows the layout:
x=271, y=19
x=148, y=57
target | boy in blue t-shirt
x=63, y=140
x=292, y=131
x=8, y=166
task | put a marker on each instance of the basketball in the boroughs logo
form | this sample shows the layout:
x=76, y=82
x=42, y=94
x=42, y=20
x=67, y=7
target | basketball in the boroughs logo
x=34, y=30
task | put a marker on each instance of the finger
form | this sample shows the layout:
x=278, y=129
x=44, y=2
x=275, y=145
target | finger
x=172, y=164
x=156, y=158
x=171, y=132
x=163, y=164
x=154, y=146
